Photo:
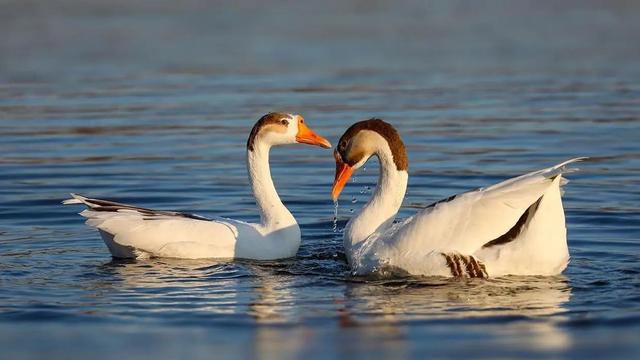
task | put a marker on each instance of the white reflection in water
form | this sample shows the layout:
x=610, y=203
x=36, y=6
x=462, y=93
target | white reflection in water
x=168, y=285
x=214, y=287
x=274, y=297
x=518, y=312
x=502, y=302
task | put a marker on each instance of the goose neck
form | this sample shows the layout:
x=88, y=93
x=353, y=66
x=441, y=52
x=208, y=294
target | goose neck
x=273, y=214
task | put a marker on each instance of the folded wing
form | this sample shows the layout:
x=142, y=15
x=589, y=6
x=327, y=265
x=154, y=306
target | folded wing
x=133, y=232
x=490, y=216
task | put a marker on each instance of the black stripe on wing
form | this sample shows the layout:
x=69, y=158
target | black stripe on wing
x=149, y=214
x=516, y=229
x=442, y=201
x=451, y=198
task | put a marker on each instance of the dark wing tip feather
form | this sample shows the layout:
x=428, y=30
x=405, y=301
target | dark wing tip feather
x=517, y=228
x=101, y=205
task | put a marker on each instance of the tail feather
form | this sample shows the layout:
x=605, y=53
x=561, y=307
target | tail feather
x=71, y=201
x=75, y=199
x=562, y=168
x=99, y=206
x=547, y=174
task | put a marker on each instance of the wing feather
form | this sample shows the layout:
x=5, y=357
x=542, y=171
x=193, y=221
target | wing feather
x=466, y=222
x=158, y=231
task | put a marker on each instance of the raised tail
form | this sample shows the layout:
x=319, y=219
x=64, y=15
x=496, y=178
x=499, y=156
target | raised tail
x=562, y=168
x=76, y=199
x=99, y=206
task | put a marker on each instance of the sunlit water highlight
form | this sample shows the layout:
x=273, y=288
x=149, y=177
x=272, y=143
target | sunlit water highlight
x=151, y=133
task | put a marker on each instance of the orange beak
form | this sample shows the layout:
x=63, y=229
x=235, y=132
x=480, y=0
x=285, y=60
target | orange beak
x=308, y=136
x=343, y=173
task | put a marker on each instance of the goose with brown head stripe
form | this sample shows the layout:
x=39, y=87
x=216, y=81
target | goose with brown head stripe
x=515, y=227
x=135, y=232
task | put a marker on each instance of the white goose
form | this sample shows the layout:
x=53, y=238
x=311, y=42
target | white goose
x=515, y=227
x=134, y=232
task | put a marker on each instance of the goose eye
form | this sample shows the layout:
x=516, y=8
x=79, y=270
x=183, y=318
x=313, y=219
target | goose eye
x=284, y=122
x=343, y=145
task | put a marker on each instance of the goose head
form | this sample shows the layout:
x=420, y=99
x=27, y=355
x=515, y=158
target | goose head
x=281, y=129
x=361, y=141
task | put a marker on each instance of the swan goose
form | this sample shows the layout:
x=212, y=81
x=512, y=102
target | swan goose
x=515, y=227
x=135, y=232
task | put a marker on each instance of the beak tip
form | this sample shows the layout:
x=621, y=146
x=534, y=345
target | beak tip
x=323, y=143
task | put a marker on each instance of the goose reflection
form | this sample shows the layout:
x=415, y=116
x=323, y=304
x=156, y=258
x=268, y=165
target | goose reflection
x=274, y=297
x=527, y=309
x=199, y=288
x=497, y=305
x=241, y=288
x=238, y=292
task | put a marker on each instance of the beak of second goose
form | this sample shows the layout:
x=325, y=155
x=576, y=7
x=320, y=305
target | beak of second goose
x=343, y=173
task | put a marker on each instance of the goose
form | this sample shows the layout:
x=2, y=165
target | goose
x=135, y=232
x=515, y=227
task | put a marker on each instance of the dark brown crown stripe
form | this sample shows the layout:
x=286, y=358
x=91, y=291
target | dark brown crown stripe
x=388, y=132
x=270, y=118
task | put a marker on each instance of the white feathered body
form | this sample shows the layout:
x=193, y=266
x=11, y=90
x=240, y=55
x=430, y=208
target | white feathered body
x=135, y=232
x=130, y=234
x=516, y=227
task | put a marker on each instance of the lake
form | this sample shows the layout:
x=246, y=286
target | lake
x=151, y=102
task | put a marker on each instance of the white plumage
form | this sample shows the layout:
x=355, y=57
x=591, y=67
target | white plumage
x=135, y=232
x=132, y=232
x=516, y=227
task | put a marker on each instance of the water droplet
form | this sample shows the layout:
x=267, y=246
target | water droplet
x=351, y=210
x=354, y=200
x=335, y=216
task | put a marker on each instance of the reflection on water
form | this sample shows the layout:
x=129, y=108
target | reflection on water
x=271, y=295
x=199, y=287
x=504, y=301
x=376, y=312
x=275, y=299
x=418, y=299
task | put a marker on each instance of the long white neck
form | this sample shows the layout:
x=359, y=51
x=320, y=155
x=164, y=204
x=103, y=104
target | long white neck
x=273, y=214
x=383, y=206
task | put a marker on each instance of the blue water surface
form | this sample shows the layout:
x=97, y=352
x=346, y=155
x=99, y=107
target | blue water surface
x=151, y=102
